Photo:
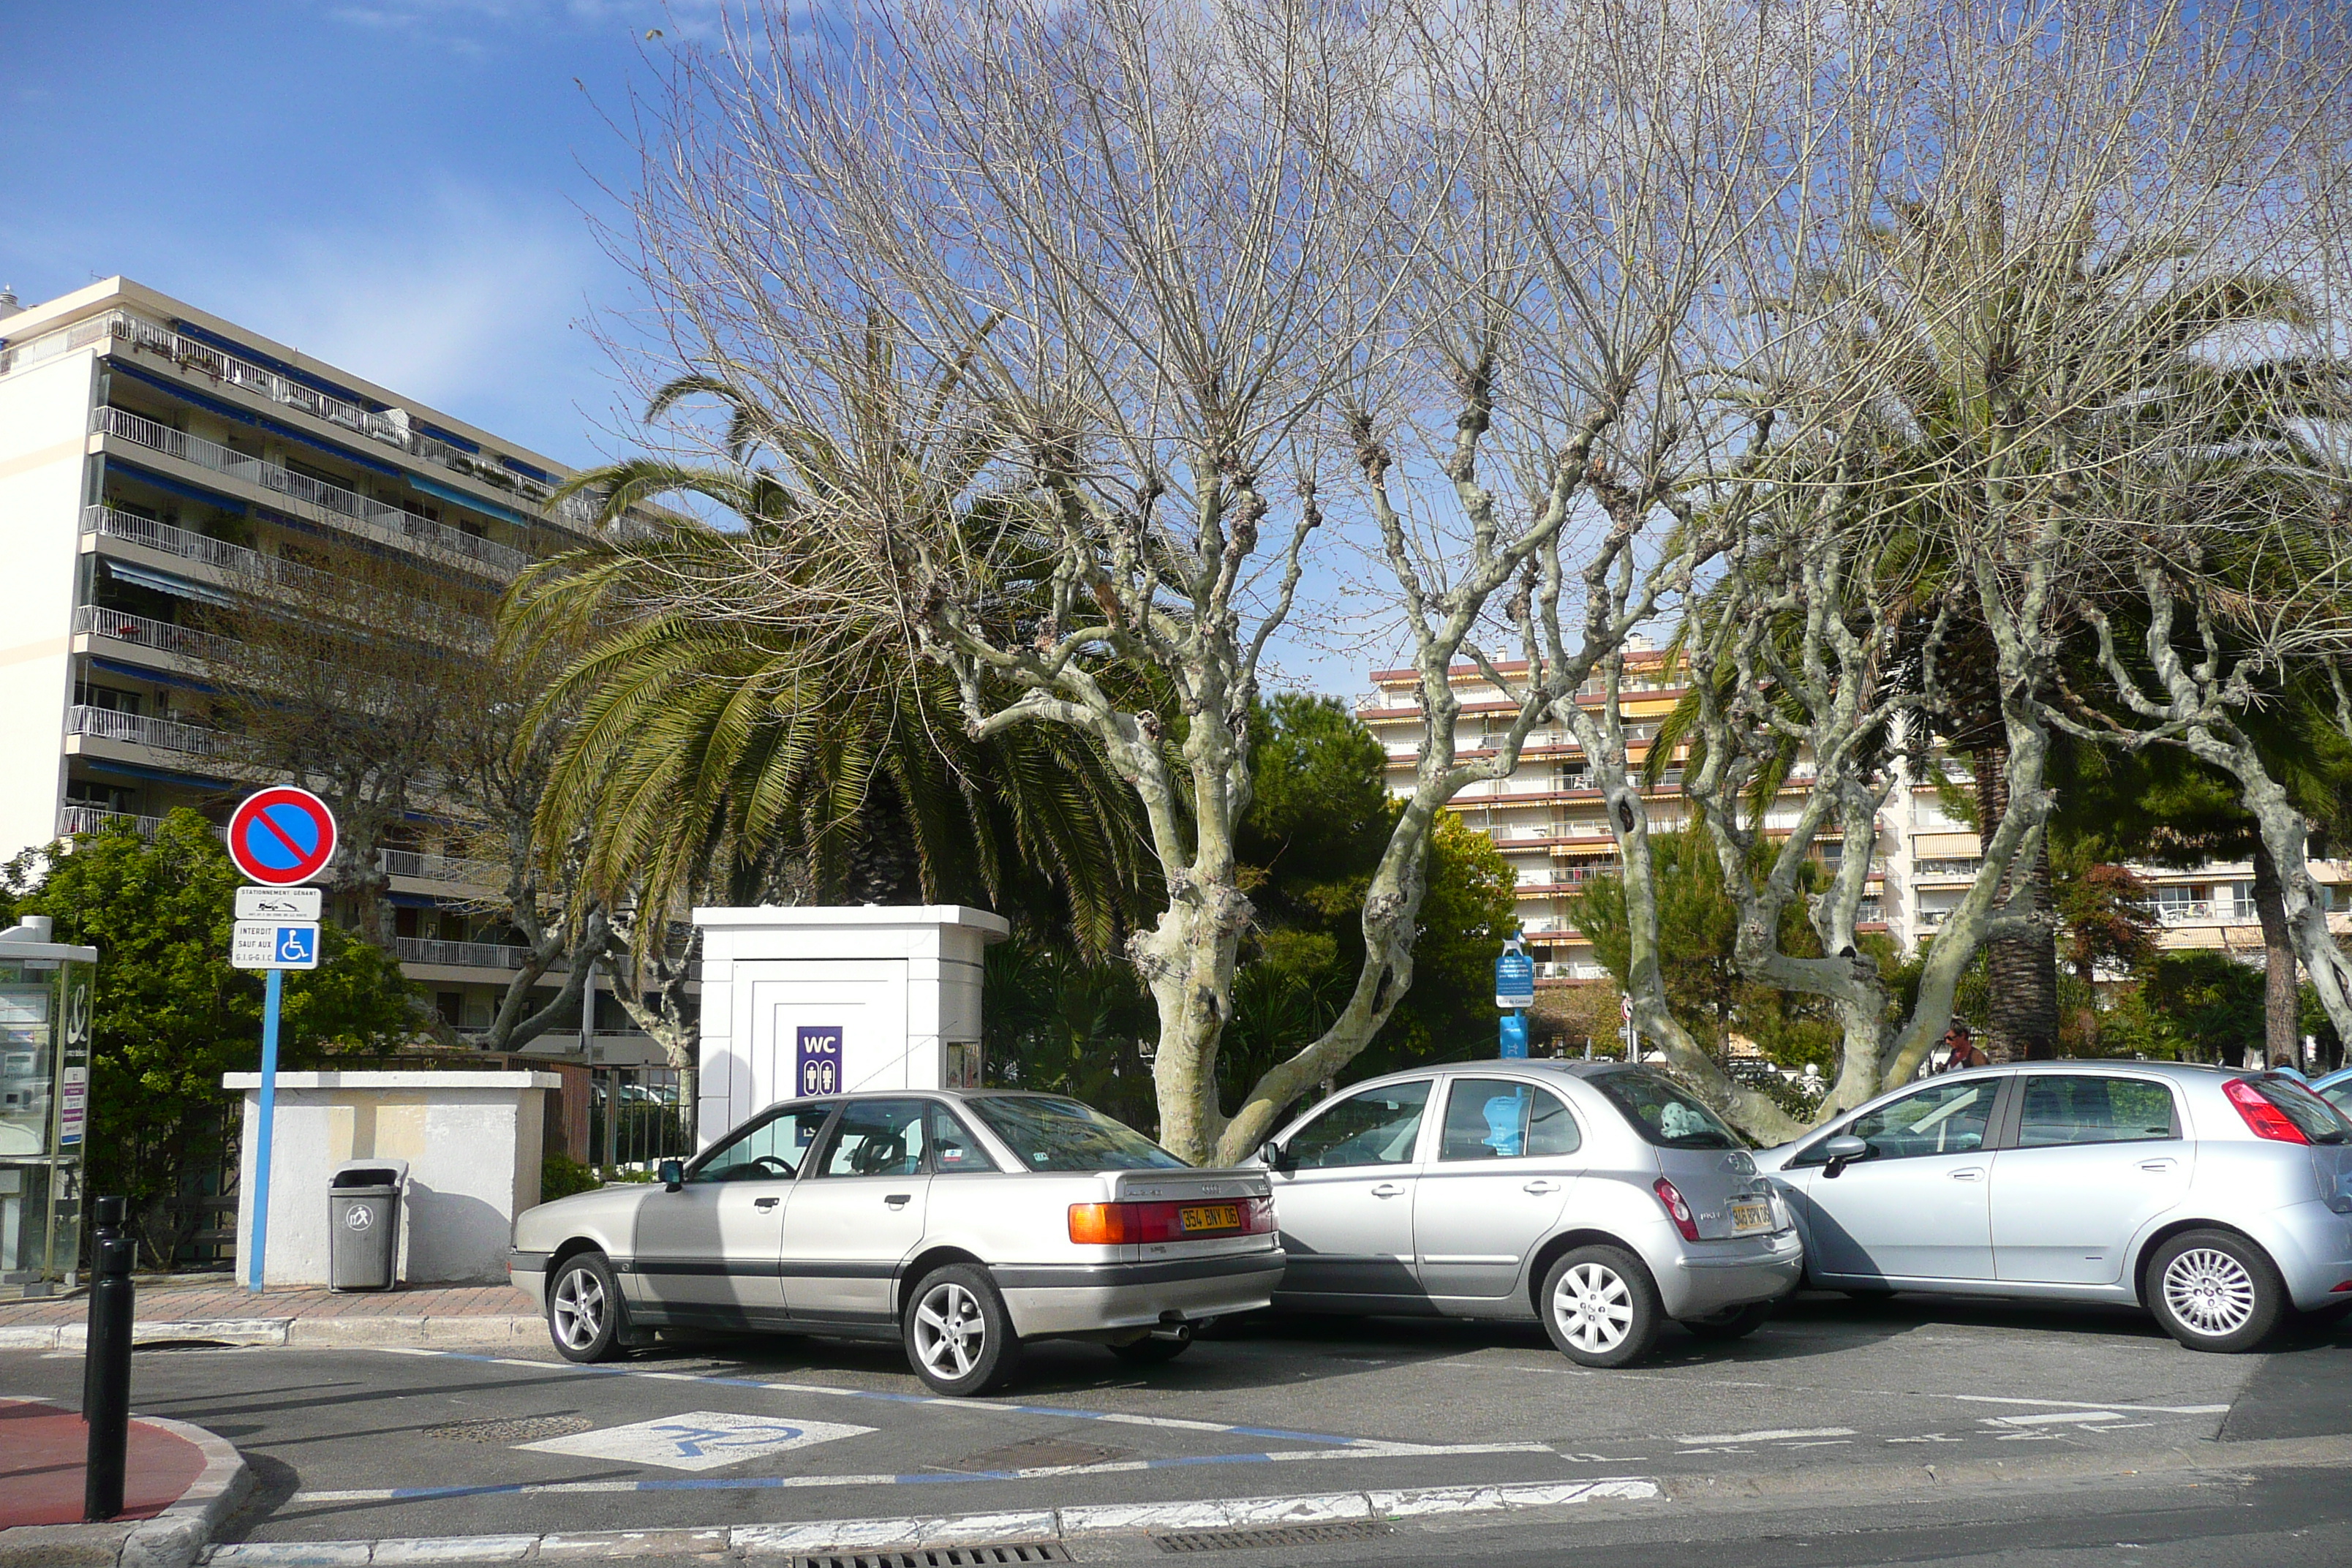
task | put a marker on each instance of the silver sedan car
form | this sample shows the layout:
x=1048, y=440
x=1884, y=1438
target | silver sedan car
x=960, y=1223
x=1601, y=1200
x=2216, y=1198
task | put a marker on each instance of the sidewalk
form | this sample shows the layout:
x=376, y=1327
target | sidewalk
x=215, y=1308
x=179, y=1483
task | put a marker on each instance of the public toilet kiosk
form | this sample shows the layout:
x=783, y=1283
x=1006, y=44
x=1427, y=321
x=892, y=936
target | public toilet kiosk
x=45, y=1012
x=814, y=999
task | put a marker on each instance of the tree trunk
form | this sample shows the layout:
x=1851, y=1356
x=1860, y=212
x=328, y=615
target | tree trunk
x=2281, y=1004
x=2022, y=973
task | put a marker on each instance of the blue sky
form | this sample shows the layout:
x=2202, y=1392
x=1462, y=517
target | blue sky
x=400, y=186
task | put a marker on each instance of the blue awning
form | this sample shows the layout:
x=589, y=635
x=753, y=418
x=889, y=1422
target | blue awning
x=152, y=775
x=445, y=492
x=164, y=583
x=176, y=487
x=157, y=677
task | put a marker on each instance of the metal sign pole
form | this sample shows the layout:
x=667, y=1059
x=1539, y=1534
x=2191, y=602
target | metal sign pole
x=267, y=1115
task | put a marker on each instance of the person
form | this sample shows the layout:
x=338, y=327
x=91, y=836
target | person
x=1959, y=1050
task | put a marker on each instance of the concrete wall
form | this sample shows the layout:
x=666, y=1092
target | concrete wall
x=472, y=1140
x=44, y=439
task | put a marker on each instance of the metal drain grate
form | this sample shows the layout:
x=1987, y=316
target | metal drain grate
x=1272, y=1535
x=942, y=1557
x=517, y=1429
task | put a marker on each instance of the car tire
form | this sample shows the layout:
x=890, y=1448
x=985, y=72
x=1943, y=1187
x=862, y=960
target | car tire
x=1600, y=1307
x=1736, y=1324
x=584, y=1314
x=958, y=1337
x=2214, y=1290
x=1156, y=1349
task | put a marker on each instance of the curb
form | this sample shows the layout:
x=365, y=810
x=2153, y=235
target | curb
x=173, y=1539
x=298, y=1333
x=876, y=1535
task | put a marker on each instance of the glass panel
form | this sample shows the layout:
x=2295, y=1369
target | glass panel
x=1491, y=1118
x=1664, y=1114
x=768, y=1151
x=1051, y=1135
x=1948, y=1119
x=1376, y=1127
x=953, y=1148
x=2071, y=1110
x=878, y=1138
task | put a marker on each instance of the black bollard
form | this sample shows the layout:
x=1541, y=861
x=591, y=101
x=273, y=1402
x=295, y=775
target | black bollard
x=107, y=1413
x=107, y=1212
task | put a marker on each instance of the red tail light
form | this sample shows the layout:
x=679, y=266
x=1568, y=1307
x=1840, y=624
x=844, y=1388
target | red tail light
x=1676, y=1210
x=1127, y=1224
x=2262, y=1119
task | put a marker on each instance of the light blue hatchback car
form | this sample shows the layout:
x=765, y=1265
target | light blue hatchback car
x=2220, y=1200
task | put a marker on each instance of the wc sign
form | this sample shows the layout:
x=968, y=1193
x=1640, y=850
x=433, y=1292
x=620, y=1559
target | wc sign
x=817, y=1059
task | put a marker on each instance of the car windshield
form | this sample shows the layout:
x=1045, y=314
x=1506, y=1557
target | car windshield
x=1666, y=1115
x=2315, y=1118
x=1065, y=1135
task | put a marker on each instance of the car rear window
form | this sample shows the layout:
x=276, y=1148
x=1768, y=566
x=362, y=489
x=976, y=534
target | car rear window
x=1065, y=1135
x=1664, y=1114
x=2313, y=1117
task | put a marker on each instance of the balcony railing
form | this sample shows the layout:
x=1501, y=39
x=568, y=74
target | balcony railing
x=161, y=635
x=443, y=868
x=139, y=730
x=2208, y=912
x=321, y=496
x=390, y=428
x=270, y=570
x=469, y=955
x=73, y=819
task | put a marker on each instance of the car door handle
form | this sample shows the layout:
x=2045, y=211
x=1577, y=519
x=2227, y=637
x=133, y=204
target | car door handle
x=1971, y=1174
x=765, y=1202
x=899, y=1200
x=1388, y=1190
x=2157, y=1164
x=1540, y=1187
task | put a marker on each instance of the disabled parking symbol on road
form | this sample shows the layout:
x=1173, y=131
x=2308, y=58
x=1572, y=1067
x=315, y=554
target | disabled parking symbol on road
x=696, y=1440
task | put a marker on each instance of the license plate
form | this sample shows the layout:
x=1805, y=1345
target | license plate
x=1755, y=1215
x=1210, y=1216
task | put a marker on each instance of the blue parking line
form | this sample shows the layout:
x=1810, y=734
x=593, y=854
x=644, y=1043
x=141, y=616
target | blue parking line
x=1274, y=1434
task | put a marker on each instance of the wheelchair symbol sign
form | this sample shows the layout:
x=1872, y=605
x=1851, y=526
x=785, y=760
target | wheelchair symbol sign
x=697, y=1440
x=275, y=944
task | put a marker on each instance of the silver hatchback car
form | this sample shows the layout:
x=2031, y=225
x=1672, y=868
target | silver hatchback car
x=960, y=1223
x=2216, y=1198
x=1599, y=1199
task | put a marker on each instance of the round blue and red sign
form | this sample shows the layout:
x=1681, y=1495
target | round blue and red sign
x=281, y=835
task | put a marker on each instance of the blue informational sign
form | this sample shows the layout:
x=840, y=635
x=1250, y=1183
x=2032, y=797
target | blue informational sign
x=817, y=1059
x=1515, y=1034
x=1515, y=981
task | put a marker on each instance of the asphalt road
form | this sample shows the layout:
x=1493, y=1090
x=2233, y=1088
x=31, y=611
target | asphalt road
x=371, y=1444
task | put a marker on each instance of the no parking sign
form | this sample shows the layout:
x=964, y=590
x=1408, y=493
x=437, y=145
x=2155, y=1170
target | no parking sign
x=281, y=835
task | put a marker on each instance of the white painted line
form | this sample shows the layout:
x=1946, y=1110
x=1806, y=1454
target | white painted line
x=2058, y=1417
x=893, y=1535
x=917, y=1532
x=1772, y=1434
x=2109, y=1404
x=697, y=1440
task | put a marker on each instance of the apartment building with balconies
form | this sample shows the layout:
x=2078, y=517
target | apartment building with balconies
x=157, y=462
x=1548, y=818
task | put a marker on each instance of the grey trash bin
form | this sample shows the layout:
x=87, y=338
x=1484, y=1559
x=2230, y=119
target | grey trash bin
x=364, y=1224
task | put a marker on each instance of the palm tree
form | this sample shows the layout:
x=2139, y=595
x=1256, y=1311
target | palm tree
x=709, y=746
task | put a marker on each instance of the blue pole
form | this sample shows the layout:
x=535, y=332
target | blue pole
x=268, y=1113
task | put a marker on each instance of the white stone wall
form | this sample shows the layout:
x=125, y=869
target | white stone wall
x=472, y=1140
x=43, y=441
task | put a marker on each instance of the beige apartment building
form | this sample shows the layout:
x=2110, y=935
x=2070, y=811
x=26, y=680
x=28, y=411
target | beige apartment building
x=156, y=460
x=1547, y=819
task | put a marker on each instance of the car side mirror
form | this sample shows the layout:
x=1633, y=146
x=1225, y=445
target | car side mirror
x=1275, y=1156
x=672, y=1173
x=1842, y=1152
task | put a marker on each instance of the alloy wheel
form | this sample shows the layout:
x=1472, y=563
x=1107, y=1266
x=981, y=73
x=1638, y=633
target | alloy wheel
x=1593, y=1308
x=2210, y=1291
x=951, y=1332
x=579, y=1309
